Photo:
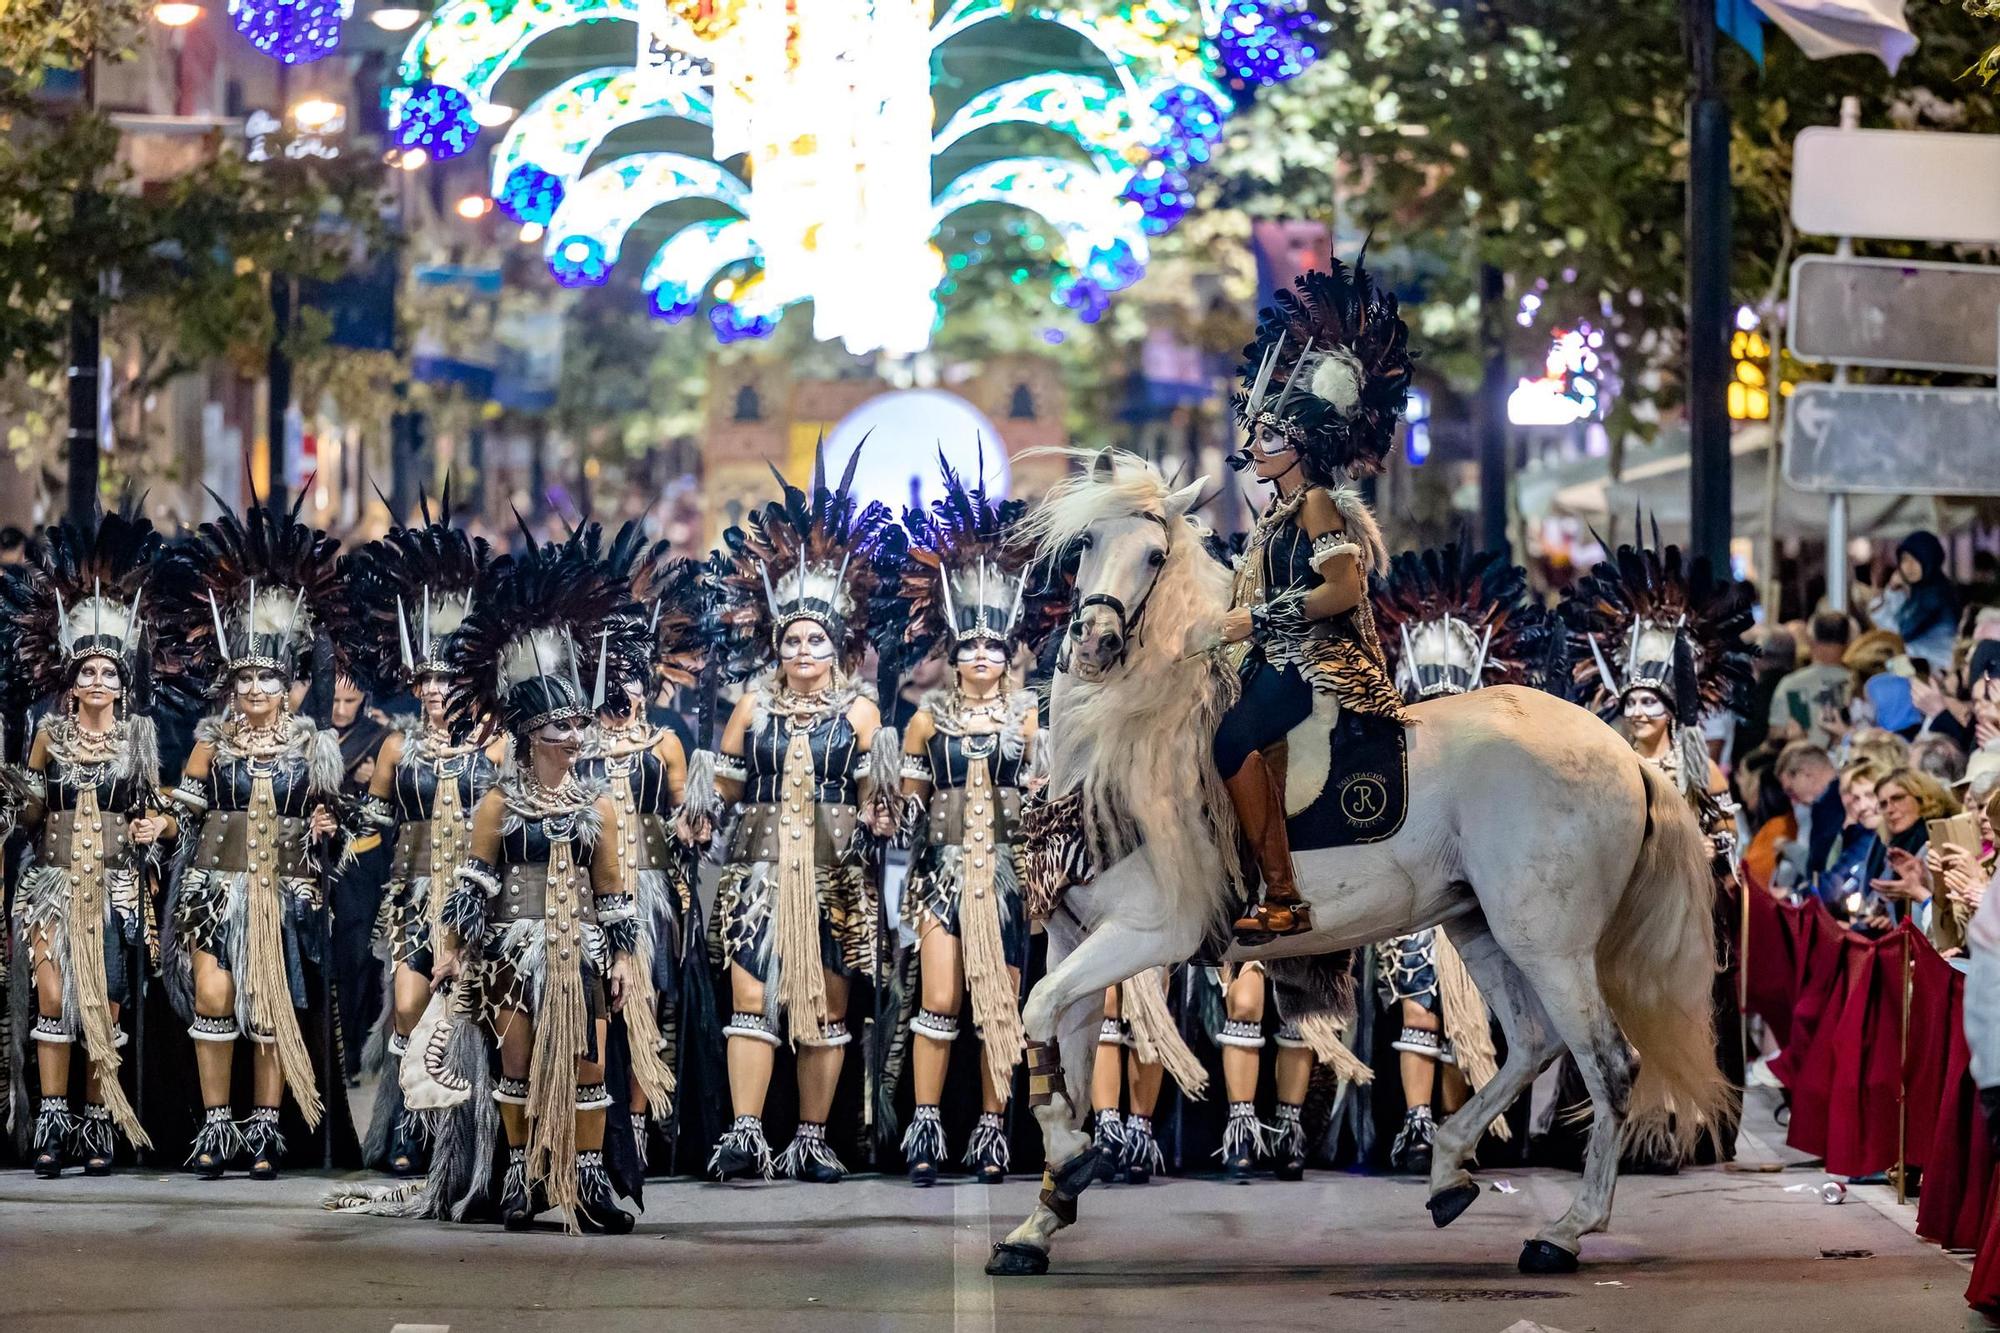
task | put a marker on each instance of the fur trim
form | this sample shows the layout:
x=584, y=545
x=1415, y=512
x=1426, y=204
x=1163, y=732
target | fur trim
x=942, y=705
x=1359, y=525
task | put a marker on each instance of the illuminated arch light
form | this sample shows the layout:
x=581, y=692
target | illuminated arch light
x=1262, y=42
x=1087, y=109
x=1163, y=195
x=561, y=129
x=436, y=118
x=1101, y=233
x=293, y=32
x=471, y=43
x=530, y=194
x=603, y=206
x=912, y=434
x=691, y=259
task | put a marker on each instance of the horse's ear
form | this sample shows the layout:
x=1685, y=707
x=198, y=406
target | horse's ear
x=1103, y=467
x=1183, y=501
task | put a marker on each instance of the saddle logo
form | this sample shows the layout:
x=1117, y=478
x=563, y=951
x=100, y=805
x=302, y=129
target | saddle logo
x=1364, y=799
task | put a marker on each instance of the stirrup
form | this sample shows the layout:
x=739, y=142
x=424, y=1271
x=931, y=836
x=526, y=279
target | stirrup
x=1273, y=919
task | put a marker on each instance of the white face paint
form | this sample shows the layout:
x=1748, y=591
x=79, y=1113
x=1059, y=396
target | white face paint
x=562, y=736
x=981, y=661
x=1271, y=453
x=431, y=692
x=806, y=653
x=1645, y=706
x=98, y=682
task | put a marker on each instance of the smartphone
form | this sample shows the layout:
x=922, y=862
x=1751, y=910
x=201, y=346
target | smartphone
x=1961, y=830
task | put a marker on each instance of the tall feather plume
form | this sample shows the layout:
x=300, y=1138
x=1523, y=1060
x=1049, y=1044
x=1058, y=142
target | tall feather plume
x=435, y=564
x=1664, y=588
x=1483, y=589
x=677, y=593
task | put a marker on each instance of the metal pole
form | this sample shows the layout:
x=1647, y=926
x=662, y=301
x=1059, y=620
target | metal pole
x=1836, y=504
x=1708, y=202
x=1491, y=416
x=85, y=353
x=278, y=407
x=1903, y=1069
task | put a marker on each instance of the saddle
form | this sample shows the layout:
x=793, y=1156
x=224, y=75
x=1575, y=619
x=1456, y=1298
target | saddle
x=1347, y=777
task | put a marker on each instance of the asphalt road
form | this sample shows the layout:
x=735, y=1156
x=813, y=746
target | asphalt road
x=1707, y=1250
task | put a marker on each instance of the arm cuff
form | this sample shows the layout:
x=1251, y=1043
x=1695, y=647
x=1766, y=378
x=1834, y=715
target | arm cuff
x=1327, y=547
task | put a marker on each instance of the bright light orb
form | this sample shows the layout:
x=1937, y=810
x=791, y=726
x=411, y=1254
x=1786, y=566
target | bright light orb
x=396, y=18
x=171, y=14
x=906, y=431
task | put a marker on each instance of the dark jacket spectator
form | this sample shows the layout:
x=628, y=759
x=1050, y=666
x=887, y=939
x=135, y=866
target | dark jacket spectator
x=1928, y=617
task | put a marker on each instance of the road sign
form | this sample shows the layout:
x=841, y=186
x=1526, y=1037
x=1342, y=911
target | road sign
x=1897, y=184
x=1895, y=312
x=1887, y=439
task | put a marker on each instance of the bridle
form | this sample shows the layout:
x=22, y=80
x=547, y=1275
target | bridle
x=1131, y=621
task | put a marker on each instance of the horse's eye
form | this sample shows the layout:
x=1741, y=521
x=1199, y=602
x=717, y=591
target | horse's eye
x=1083, y=543
x=1156, y=559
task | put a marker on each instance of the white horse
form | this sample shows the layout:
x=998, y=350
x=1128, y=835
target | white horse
x=1573, y=879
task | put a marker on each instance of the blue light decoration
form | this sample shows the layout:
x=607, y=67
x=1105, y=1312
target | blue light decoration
x=1163, y=195
x=1262, y=42
x=580, y=261
x=1190, y=123
x=733, y=325
x=295, y=32
x=530, y=194
x=435, y=117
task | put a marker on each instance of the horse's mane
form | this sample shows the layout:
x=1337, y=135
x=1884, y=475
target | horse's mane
x=1139, y=743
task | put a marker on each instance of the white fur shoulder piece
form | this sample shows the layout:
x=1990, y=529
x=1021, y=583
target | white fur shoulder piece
x=1359, y=527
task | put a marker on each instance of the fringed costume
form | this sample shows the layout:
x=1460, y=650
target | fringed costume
x=417, y=586
x=265, y=607
x=799, y=901
x=967, y=755
x=539, y=917
x=1452, y=621
x=82, y=907
x=1324, y=385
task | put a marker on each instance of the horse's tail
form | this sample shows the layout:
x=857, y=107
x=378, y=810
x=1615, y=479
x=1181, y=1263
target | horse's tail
x=1656, y=964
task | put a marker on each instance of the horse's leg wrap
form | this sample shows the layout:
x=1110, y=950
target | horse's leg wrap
x=1045, y=1076
x=1062, y=1184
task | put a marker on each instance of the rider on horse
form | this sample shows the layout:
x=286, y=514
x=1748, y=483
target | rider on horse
x=1325, y=381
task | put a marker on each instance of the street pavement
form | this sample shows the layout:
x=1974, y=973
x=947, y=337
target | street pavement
x=1706, y=1250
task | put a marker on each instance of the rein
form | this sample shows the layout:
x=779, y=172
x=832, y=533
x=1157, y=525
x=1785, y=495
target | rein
x=1131, y=624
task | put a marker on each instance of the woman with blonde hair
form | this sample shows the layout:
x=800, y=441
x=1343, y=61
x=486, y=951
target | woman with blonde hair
x=1909, y=799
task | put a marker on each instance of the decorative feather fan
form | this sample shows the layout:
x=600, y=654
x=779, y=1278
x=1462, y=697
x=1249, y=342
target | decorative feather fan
x=819, y=556
x=1652, y=619
x=415, y=587
x=540, y=621
x=1519, y=642
x=1329, y=366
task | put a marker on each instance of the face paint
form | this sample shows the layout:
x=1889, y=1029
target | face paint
x=261, y=681
x=562, y=731
x=982, y=652
x=97, y=673
x=1273, y=444
x=1645, y=706
x=805, y=642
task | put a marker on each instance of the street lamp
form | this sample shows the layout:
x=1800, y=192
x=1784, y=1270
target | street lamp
x=393, y=17
x=175, y=13
x=316, y=114
x=474, y=207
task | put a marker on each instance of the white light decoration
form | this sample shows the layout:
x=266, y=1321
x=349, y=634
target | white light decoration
x=172, y=14
x=1567, y=390
x=396, y=18
x=829, y=104
x=909, y=432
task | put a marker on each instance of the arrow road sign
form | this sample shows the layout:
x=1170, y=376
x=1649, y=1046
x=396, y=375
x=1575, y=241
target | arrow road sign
x=1895, y=312
x=1887, y=439
x=1898, y=184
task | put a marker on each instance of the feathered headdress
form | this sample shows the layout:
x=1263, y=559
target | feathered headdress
x=538, y=617
x=812, y=557
x=263, y=591
x=967, y=576
x=1652, y=619
x=416, y=586
x=1329, y=368
x=677, y=593
x=86, y=591
x=1455, y=619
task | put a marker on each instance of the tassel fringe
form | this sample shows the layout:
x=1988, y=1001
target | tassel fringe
x=1467, y=1024
x=1154, y=1036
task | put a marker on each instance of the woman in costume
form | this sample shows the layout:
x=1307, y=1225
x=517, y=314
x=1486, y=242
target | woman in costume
x=1451, y=621
x=416, y=586
x=807, y=755
x=539, y=917
x=1324, y=385
x=263, y=608
x=1120, y=1076
x=97, y=819
x=648, y=777
x=1245, y=992
x=967, y=753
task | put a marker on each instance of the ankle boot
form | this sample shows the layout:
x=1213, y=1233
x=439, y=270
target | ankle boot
x=1258, y=793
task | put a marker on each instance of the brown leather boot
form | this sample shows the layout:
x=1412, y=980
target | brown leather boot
x=1258, y=794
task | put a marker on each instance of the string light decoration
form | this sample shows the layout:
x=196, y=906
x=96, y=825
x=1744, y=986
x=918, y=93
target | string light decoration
x=825, y=139
x=294, y=32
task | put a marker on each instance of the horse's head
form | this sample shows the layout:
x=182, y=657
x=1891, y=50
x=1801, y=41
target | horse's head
x=1124, y=522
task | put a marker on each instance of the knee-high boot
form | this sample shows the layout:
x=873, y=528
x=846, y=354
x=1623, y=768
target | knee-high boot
x=1258, y=793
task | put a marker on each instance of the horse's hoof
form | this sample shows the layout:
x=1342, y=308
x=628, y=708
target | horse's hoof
x=1012, y=1260
x=1540, y=1257
x=1447, y=1204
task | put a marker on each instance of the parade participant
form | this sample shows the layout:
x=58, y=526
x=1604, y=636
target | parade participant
x=967, y=753
x=1324, y=384
x=817, y=773
x=1451, y=620
x=84, y=900
x=1123, y=1077
x=416, y=586
x=538, y=919
x=1244, y=993
x=648, y=776
x=261, y=608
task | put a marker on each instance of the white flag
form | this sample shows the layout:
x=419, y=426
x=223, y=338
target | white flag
x=1824, y=28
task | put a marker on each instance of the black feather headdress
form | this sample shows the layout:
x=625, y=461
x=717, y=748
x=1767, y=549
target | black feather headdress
x=1454, y=619
x=260, y=590
x=415, y=587
x=545, y=625
x=1329, y=369
x=90, y=591
x=677, y=593
x=816, y=557
x=1653, y=619
x=968, y=574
